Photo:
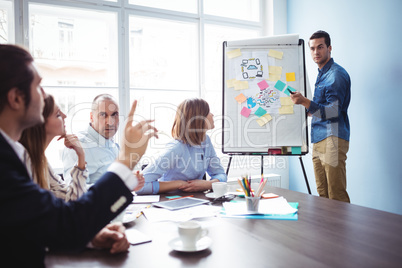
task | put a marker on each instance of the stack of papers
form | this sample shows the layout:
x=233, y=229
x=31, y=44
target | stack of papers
x=140, y=199
x=276, y=208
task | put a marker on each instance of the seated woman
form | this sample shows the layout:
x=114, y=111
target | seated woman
x=185, y=161
x=36, y=139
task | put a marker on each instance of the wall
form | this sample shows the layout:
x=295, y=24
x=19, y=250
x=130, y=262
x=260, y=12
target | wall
x=366, y=40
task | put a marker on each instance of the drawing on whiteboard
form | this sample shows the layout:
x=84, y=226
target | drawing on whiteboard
x=251, y=68
x=268, y=98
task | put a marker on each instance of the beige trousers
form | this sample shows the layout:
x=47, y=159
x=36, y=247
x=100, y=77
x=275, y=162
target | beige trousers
x=329, y=160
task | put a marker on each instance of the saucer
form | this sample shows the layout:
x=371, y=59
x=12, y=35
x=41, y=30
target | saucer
x=211, y=195
x=201, y=244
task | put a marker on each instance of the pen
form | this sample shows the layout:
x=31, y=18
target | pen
x=181, y=197
x=141, y=213
x=291, y=92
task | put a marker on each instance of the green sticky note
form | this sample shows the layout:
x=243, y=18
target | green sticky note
x=280, y=85
x=296, y=150
x=288, y=89
x=173, y=196
x=260, y=112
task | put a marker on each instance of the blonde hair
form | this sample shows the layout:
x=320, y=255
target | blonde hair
x=190, y=121
x=34, y=141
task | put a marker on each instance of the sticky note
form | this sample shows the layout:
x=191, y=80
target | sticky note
x=274, y=77
x=286, y=101
x=264, y=119
x=240, y=98
x=275, y=70
x=287, y=92
x=239, y=85
x=263, y=84
x=260, y=112
x=290, y=77
x=275, y=54
x=230, y=82
x=245, y=112
x=280, y=85
x=296, y=150
x=286, y=109
x=234, y=53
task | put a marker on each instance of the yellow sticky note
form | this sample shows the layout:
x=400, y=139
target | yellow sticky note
x=290, y=77
x=275, y=70
x=275, y=54
x=241, y=98
x=264, y=119
x=286, y=109
x=230, y=82
x=239, y=85
x=234, y=53
x=274, y=77
x=286, y=101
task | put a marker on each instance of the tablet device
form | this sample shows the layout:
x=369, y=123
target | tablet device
x=180, y=203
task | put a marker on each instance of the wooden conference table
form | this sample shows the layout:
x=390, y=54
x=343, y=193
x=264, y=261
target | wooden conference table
x=328, y=233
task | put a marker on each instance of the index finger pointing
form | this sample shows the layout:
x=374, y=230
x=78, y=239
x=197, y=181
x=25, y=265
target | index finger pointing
x=131, y=114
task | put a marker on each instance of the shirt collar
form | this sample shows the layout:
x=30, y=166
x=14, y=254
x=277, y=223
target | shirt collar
x=18, y=148
x=326, y=67
x=99, y=138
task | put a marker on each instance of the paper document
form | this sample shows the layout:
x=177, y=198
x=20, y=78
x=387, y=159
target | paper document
x=277, y=206
x=136, y=237
x=145, y=199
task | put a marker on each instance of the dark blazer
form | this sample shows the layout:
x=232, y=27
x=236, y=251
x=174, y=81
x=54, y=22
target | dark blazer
x=32, y=219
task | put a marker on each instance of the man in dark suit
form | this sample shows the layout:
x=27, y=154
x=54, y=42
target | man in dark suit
x=32, y=219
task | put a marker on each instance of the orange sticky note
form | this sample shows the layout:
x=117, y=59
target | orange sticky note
x=290, y=77
x=241, y=98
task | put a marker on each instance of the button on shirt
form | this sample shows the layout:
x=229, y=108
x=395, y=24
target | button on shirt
x=329, y=107
x=181, y=161
x=99, y=154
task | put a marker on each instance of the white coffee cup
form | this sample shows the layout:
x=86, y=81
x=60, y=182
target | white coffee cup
x=190, y=232
x=219, y=188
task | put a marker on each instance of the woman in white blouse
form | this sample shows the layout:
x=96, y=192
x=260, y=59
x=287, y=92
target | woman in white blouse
x=37, y=138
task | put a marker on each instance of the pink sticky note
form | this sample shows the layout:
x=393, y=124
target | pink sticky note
x=263, y=84
x=245, y=112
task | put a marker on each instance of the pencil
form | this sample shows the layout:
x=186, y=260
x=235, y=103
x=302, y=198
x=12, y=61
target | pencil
x=181, y=197
x=241, y=185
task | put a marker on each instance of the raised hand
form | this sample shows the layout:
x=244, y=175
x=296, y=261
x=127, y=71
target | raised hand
x=135, y=139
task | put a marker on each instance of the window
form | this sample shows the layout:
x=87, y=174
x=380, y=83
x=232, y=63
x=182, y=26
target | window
x=75, y=50
x=6, y=22
x=158, y=52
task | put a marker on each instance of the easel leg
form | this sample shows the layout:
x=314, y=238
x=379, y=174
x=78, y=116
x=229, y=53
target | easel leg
x=304, y=173
x=227, y=169
x=262, y=166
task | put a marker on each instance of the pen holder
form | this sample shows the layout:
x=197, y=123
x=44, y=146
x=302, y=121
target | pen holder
x=252, y=203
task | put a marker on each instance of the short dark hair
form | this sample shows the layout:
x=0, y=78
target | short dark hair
x=15, y=72
x=320, y=34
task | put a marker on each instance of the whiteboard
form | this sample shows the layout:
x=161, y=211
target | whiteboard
x=258, y=116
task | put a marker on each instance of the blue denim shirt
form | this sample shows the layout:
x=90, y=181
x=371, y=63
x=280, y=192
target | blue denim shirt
x=329, y=107
x=181, y=161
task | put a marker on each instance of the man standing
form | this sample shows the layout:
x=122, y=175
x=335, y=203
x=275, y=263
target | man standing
x=97, y=141
x=330, y=128
x=33, y=219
